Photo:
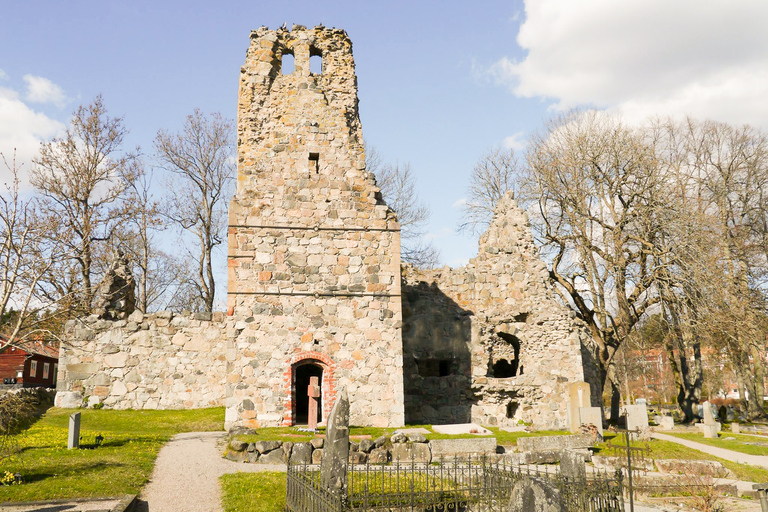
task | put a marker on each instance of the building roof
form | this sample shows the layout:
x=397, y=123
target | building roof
x=30, y=347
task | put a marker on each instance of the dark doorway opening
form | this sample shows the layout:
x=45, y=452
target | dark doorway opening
x=302, y=374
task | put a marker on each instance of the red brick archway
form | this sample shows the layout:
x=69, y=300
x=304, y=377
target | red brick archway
x=328, y=385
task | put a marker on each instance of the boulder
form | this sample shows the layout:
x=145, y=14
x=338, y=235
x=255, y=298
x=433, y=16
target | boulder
x=531, y=494
x=378, y=456
x=237, y=445
x=407, y=452
x=273, y=457
x=366, y=445
x=301, y=453
x=266, y=446
x=357, y=457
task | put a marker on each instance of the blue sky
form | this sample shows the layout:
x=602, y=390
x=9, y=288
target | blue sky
x=440, y=82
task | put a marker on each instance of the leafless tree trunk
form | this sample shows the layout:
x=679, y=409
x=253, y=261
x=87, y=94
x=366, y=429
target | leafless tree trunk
x=201, y=160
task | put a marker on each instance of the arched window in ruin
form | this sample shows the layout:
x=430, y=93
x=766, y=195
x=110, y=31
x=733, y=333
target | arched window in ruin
x=303, y=371
x=287, y=63
x=508, y=362
x=315, y=61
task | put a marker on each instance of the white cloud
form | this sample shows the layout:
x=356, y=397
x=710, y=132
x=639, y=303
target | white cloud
x=22, y=129
x=459, y=203
x=515, y=141
x=42, y=90
x=441, y=233
x=3, y=75
x=645, y=57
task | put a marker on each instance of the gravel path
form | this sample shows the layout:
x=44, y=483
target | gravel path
x=187, y=471
x=741, y=458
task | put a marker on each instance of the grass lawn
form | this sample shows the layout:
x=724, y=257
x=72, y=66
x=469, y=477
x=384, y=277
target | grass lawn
x=246, y=492
x=669, y=450
x=121, y=465
x=743, y=444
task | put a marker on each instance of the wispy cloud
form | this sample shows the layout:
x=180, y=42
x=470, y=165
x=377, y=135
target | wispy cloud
x=459, y=203
x=3, y=75
x=441, y=233
x=42, y=90
x=515, y=141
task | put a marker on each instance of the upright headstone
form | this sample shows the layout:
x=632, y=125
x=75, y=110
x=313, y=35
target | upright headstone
x=73, y=440
x=666, y=423
x=709, y=418
x=710, y=427
x=333, y=466
x=572, y=465
x=534, y=494
x=592, y=416
x=578, y=396
x=313, y=393
x=637, y=417
x=735, y=428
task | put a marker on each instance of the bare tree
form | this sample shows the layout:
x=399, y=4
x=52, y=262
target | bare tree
x=83, y=179
x=201, y=160
x=493, y=176
x=26, y=255
x=398, y=189
x=595, y=188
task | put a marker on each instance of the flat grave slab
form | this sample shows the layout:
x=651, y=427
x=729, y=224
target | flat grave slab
x=417, y=430
x=461, y=428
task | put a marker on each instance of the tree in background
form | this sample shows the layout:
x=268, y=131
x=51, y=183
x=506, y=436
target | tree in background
x=494, y=175
x=83, y=180
x=398, y=189
x=200, y=160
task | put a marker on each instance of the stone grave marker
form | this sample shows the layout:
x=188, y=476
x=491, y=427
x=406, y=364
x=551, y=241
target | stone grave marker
x=637, y=417
x=666, y=423
x=73, y=440
x=710, y=427
x=591, y=416
x=572, y=465
x=313, y=392
x=333, y=466
x=735, y=428
x=578, y=397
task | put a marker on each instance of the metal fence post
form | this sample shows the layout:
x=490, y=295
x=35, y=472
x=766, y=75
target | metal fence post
x=762, y=493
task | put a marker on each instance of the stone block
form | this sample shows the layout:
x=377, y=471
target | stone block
x=462, y=447
x=68, y=399
x=693, y=467
x=461, y=428
x=237, y=445
x=710, y=431
x=273, y=457
x=366, y=445
x=301, y=453
x=317, y=455
x=533, y=494
x=666, y=423
x=735, y=428
x=317, y=442
x=407, y=452
x=556, y=443
x=358, y=457
x=572, y=465
x=267, y=446
x=378, y=456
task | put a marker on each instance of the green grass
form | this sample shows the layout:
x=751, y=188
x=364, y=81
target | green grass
x=122, y=465
x=246, y=492
x=669, y=450
x=739, y=444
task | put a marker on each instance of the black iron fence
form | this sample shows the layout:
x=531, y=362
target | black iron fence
x=469, y=484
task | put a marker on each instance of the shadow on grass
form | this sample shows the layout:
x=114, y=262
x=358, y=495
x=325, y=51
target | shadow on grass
x=72, y=471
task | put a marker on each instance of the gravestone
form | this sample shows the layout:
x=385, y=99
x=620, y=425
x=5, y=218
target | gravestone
x=313, y=392
x=710, y=427
x=333, y=466
x=73, y=440
x=666, y=423
x=572, y=465
x=578, y=396
x=637, y=418
x=592, y=416
x=532, y=494
x=735, y=428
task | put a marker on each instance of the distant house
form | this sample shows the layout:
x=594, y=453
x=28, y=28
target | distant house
x=30, y=363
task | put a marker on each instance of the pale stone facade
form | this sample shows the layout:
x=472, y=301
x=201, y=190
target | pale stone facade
x=316, y=287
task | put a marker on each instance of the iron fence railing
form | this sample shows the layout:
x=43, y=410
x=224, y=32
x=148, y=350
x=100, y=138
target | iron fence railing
x=477, y=484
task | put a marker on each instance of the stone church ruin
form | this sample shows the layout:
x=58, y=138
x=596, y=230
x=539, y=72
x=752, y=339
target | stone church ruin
x=317, y=291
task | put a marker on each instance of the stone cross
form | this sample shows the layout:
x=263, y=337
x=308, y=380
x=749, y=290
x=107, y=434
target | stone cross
x=313, y=392
x=333, y=465
x=73, y=440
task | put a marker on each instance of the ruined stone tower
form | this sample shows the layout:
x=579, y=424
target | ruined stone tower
x=314, y=254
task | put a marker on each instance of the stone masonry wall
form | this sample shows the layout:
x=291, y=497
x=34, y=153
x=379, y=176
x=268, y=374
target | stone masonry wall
x=158, y=361
x=314, y=254
x=512, y=347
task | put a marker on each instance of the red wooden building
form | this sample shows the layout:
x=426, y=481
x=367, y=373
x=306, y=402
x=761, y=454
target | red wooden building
x=29, y=363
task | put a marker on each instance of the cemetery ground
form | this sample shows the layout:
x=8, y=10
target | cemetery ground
x=121, y=465
x=132, y=440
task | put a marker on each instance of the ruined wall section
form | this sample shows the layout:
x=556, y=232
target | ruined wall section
x=157, y=361
x=505, y=320
x=314, y=254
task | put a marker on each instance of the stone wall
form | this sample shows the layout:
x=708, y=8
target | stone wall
x=159, y=361
x=507, y=347
x=314, y=253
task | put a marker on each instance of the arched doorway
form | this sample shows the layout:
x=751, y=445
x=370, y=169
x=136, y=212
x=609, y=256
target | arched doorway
x=302, y=373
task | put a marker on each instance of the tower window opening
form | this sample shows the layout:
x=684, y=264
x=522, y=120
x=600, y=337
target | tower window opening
x=287, y=64
x=316, y=65
x=314, y=162
x=511, y=409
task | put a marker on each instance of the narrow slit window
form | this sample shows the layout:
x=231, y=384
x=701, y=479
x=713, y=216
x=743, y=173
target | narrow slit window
x=314, y=162
x=287, y=64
